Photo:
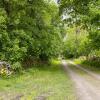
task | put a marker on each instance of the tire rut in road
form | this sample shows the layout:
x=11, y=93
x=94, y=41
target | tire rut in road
x=88, y=75
x=96, y=76
x=84, y=89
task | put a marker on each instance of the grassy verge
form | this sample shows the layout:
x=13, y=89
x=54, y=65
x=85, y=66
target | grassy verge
x=47, y=82
x=91, y=65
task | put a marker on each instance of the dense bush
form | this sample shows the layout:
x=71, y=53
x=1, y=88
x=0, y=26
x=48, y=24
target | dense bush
x=28, y=28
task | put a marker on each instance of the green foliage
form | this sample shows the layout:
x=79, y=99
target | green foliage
x=17, y=66
x=84, y=13
x=28, y=28
x=95, y=39
x=75, y=44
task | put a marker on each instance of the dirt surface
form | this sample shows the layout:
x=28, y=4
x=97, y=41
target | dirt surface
x=85, y=90
x=97, y=76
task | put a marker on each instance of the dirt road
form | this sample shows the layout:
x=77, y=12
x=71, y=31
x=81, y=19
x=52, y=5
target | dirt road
x=87, y=86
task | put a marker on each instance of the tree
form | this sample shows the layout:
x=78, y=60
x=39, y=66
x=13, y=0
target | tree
x=87, y=14
x=28, y=29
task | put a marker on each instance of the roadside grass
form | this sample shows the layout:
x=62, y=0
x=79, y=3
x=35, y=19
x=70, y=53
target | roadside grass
x=93, y=66
x=47, y=82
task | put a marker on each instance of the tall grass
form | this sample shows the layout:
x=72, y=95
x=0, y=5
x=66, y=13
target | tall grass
x=45, y=81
